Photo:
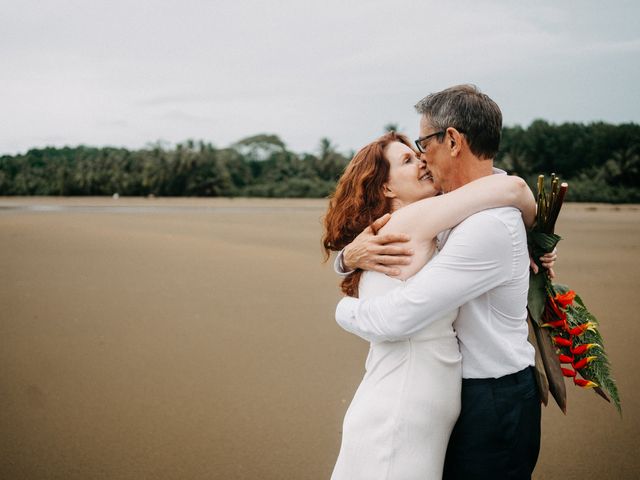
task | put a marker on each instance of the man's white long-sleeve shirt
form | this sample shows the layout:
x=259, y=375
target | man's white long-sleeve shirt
x=483, y=269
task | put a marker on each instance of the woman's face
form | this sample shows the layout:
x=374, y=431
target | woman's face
x=409, y=180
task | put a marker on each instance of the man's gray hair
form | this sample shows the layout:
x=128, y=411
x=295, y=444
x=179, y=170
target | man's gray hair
x=469, y=111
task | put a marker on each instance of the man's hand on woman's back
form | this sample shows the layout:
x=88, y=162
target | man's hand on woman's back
x=370, y=251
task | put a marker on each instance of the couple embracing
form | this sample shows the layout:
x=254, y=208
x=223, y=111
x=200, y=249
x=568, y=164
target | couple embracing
x=439, y=288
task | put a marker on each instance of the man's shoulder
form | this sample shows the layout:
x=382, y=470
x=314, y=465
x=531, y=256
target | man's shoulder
x=496, y=225
x=491, y=224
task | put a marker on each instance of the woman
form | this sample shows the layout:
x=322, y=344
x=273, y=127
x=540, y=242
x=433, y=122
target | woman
x=399, y=422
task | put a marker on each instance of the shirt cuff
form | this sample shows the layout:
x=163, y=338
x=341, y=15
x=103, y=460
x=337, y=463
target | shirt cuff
x=338, y=265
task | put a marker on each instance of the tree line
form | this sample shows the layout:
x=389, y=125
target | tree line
x=600, y=161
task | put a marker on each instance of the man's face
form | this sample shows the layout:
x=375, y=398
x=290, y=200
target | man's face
x=436, y=154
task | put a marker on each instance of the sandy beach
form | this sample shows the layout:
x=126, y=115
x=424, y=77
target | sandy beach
x=194, y=339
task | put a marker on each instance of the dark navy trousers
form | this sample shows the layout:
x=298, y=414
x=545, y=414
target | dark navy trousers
x=497, y=435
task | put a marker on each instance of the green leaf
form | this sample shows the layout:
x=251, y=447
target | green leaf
x=537, y=295
x=542, y=243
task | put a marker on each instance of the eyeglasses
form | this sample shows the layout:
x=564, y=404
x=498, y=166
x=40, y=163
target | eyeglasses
x=419, y=141
x=422, y=148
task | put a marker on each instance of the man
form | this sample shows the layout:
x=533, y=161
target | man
x=482, y=268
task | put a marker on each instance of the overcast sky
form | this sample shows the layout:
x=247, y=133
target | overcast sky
x=126, y=73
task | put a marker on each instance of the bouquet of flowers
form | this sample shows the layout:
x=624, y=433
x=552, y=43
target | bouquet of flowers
x=568, y=341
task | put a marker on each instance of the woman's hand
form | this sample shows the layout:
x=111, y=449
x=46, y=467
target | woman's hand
x=548, y=261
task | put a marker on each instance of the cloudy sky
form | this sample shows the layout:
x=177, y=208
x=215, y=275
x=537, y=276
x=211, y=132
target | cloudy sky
x=126, y=73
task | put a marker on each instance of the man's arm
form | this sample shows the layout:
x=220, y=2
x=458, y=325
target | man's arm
x=477, y=257
x=370, y=251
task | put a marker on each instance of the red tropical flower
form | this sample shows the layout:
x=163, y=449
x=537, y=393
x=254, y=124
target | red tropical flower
x=557, y=312
x=585, y=347
x=556, y=323
x=584, y=383
x=580, y=329
x=565, y=299
x=565, y=358
x=580, y=364
x=562, y=342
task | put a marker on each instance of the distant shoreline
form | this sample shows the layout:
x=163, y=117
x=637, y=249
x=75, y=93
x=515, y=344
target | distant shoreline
x=97, y=204
x=143, y=205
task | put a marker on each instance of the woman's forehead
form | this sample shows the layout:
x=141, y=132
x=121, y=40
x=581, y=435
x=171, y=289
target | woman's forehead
x=398, y=150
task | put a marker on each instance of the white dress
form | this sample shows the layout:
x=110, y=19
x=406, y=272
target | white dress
x=399, y=422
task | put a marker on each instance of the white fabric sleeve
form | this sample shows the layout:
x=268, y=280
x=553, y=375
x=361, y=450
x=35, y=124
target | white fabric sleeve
x=338, y=265
x=477, y=257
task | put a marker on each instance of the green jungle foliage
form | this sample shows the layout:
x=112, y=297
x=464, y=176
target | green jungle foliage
x=600, y=161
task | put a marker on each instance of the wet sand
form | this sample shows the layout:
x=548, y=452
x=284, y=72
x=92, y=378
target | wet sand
x=194, y=339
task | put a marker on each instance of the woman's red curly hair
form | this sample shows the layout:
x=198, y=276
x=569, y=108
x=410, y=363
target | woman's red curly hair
x=359, y=200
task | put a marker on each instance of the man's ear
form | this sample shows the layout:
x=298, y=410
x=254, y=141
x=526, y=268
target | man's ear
x=454, y=141
x=387, y=191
